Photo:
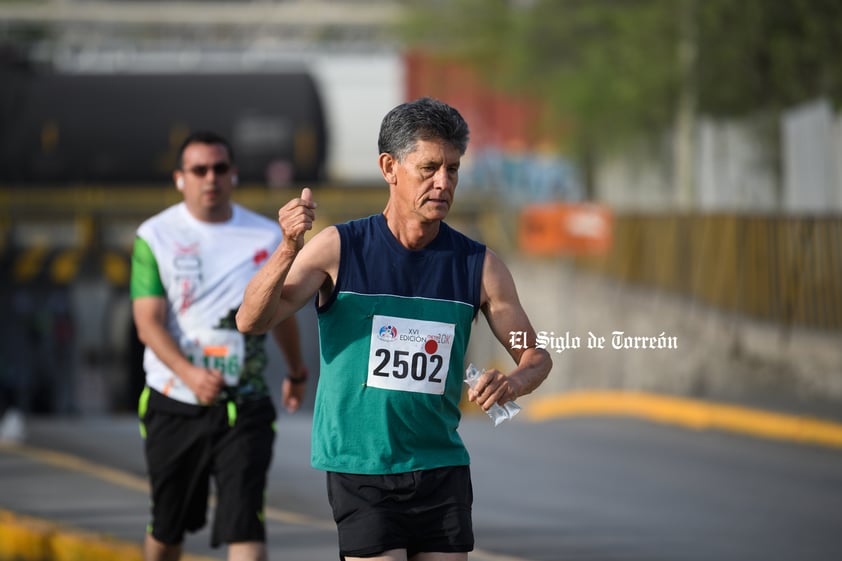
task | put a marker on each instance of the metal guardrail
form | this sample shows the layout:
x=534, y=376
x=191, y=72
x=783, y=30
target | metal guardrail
x=54, y=235
x=140, y=201
x=310, y=14
x=786, y=270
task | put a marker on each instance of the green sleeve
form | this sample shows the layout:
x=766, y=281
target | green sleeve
x=145, y=280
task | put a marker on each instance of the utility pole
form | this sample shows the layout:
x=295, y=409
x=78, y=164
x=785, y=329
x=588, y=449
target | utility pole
x=685, y=117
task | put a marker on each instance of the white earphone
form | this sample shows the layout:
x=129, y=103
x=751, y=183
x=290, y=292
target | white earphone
x=180, y=183
x=234, y=180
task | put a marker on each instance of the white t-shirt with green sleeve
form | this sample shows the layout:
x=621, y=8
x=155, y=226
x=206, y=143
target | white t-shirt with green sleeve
x=202, y=269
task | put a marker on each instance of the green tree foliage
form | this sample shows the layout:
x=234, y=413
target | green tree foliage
x=618, y=68
x=767, y=55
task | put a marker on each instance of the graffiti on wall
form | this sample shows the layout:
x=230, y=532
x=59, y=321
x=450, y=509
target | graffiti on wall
x=521, y=177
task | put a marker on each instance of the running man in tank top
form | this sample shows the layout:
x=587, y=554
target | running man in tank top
x=397, y=293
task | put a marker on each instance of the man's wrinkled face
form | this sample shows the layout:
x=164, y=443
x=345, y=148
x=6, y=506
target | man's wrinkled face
x=427, y=178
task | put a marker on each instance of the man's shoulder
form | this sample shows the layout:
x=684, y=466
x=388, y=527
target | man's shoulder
x=358, y=226
x=249, y=217
x=459, y=237
x=362, y=221
x=162, y=219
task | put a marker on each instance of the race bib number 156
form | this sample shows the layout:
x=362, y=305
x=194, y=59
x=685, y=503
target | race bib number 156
x=220, y=349
x=409, y=355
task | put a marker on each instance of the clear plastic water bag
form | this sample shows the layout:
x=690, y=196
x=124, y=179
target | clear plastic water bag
x=497, y=412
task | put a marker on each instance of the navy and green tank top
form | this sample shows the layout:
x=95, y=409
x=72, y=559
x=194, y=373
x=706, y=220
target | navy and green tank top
x=393, y=338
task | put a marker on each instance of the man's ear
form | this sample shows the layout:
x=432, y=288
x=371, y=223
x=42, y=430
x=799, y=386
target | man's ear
x=388, y=167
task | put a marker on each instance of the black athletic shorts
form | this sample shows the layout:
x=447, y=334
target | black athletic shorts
x=187, y=445
x=420, y=511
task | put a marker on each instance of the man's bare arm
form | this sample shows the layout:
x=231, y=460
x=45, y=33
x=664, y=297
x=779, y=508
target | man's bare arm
x=150, y=320
x=287, y=336
x=505, y=314
x=294, y=272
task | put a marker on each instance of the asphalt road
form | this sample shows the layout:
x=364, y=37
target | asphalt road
x=570, y=489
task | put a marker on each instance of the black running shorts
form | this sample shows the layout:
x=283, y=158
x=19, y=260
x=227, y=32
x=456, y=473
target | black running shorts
x=420, y=511
x=187, y=446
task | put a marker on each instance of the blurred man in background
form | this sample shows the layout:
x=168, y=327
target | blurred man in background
x=206, y=410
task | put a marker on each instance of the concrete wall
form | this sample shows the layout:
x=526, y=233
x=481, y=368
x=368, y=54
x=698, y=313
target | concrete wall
x=718, y=356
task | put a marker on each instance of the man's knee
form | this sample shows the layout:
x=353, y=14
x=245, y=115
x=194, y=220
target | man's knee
x=154, y=550
x=247, y=551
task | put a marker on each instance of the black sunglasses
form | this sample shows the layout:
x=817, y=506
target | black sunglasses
x=219, y=168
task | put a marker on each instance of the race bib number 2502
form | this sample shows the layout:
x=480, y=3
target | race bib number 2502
x=409, y=355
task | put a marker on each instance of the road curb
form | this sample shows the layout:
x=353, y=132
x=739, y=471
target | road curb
x=26, y=538
x=689, y=413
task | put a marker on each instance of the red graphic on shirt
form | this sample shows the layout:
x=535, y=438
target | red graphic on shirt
x=260, y=256
x=431, y=346
x=186, y=295
x=187, y=264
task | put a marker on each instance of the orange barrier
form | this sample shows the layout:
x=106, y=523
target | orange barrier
x=565, y=229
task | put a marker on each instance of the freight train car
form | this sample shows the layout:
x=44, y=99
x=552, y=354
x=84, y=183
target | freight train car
x=125, y=129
